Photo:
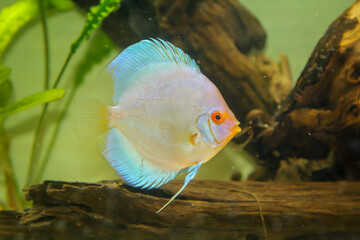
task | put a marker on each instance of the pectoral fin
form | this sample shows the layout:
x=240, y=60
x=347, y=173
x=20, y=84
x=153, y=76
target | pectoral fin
x=191, y=174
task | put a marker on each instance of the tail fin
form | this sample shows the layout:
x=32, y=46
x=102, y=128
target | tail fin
x=90, y=117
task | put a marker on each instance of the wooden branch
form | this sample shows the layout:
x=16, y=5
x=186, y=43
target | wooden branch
x=321, y=114
x=218, y=34
x=278, y=76
x=205, y=210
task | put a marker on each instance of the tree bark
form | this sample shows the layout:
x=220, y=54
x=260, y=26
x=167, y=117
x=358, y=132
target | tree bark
x=205, y=210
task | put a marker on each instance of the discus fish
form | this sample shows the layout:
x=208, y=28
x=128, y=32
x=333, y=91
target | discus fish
x=166, y=117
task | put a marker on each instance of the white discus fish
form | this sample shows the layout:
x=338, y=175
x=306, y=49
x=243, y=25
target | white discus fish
x=166, y=117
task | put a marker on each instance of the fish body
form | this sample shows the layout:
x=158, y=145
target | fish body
x=166, y=117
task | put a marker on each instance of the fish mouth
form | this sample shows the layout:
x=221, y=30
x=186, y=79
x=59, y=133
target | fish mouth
x=233, y=131
x=236, y=129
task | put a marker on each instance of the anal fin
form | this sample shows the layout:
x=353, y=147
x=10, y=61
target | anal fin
x=130, y=165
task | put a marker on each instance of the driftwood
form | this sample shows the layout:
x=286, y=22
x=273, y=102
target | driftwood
x=319, y=118
x=218, y=34
x=321, y=115
x=205, y=210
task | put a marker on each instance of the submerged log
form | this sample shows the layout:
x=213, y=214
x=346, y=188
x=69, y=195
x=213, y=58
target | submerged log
x=205, y=210
x=321, y=115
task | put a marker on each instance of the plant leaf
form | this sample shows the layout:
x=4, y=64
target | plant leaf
x=5, y=93
x=17, y=15
x=60, y=5
x=98, y=49
x=94, y=18
x=4, y=74
x=14, y=17
x=32, y=101
x=5, y=85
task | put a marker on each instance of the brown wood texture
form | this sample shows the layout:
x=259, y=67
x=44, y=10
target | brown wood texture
x=218, y=34
x=205, y=210
x=321, y=115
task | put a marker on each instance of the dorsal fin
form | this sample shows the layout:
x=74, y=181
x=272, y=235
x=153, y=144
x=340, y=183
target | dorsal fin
x=121, y=71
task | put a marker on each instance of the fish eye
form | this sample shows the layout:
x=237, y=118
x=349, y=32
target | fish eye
x=217, y=117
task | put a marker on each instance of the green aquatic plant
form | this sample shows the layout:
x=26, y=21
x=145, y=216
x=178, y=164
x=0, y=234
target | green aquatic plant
x=6, y=109
x=92, y=57
x=93, y=20
x=14, y=18
x=32, y=101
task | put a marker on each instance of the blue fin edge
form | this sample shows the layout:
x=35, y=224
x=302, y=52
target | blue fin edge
x=128, y=163
x=121, y=71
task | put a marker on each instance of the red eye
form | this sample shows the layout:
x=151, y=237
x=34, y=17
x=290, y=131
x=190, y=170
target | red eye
x=217, y=117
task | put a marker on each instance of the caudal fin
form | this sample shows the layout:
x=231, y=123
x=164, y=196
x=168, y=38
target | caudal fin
x=90, y=117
